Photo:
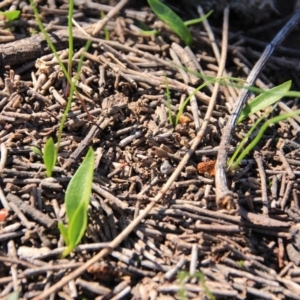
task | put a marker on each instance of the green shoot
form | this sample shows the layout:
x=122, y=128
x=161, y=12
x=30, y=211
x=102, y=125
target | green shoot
x=241, y=263
x=184, y=104
x=167, y=94
x=182, y=276
x=264, y=127
x=198, y=20
x=106, y=32
x=11, y=15
x=259, y=103
x=77, y=200
x=71, y=43
x=49, y=156
x=67, y=73
x=48, y=40
x=207, y=292
x=79, y=189
x=264, y=100
x=172, y=20
x=243, y=142
x=148, y=32
x=37, y=151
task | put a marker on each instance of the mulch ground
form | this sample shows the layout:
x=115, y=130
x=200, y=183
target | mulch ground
x=186, y=247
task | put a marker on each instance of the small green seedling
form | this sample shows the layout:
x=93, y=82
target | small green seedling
x=51, y=152
x=11, y=15
x=241, y=263
x=209, y=81
x=260, y=133
x=106, y=32
x=262, y=101
x=49, y=156
x=77, y=200
x=79, y=189
x=183, y=276
x=167, y=94
x=172, y=19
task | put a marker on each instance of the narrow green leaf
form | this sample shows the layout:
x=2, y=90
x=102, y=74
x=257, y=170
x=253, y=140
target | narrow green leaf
x=77, y=228
x=199, y=20
x=78, y=225
x=64, y=232
x=186, y=101
x=106, y=32
x=167, y=94
x=231, y=163
x=11, y=15
x=172, y=20
x=37, y=151
x=77, y=200
x=264, y=100
x=49, y=156
x=262, y=130
x=80, y=186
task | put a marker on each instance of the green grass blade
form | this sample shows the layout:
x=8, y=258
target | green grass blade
x=72, y=90
x=172, y=20
x=167, y=94
x=186, y=101
x=48, y=40
x=71, y=40
x=49, y=156
x=264, y=100
x=199, y=20
x=106, y=32
x=242, y=143
x=262, y=130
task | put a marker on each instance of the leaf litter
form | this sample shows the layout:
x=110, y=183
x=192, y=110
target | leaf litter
x=252, y=252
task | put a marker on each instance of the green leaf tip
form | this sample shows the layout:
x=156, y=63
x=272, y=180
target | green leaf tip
x=77, y=201
x=11, y=15
x=172, y=20
x=265, y=99
x=49, y=156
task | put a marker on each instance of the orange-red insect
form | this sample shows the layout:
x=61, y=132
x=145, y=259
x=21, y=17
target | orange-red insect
x=207, y=167
x=3, y=215
x=184, y=119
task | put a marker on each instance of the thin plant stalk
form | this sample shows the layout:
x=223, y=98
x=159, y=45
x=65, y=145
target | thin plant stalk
x=48, y=40
x=243, y=142
x=260, y=133
x=70, y=98
x=186, y=101
x=71, y=41
x=168, y=100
